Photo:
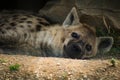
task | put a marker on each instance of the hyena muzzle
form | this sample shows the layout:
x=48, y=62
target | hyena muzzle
x=33, y=35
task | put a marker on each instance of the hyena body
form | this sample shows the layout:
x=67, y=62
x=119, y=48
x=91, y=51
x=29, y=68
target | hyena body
x=33, y=35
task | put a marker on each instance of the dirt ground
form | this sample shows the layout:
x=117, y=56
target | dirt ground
x=48, y=68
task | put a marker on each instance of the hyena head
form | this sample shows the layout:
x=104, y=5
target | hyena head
x=81, y=40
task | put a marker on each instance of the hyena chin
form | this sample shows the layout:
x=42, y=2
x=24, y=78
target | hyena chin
x=32, y=35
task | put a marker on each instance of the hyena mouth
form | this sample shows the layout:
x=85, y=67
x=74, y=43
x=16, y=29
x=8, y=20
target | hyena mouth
x=73, y=50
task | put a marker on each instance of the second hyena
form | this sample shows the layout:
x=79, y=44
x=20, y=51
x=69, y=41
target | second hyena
x=33, y=35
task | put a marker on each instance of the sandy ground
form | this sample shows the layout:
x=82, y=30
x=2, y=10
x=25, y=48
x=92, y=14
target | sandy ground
x=48, y=68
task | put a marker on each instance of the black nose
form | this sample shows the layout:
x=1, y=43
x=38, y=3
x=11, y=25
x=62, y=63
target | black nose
x=76, y=48
x=73, y=51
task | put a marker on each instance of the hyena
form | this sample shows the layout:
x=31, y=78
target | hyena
x=33, y=35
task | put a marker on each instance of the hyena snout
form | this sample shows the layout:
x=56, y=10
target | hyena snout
x=74, y=50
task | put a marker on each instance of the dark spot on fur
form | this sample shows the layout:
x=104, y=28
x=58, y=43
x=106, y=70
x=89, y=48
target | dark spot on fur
x=29, y=26
x=39, y=19
x=30, y=22
x=13, y=24
x=38, y=27
x=3, y=32
x=8, y=28
x=32, y=30
x=23, y=19
x=2, y=25
x=21, y=26
x=62, y=40
x=44, y=23
x=25, y=35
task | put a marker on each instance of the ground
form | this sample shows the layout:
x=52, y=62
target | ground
x=49, y=68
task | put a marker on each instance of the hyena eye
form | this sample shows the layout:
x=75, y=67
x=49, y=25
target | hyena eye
x=75, y=35
x=88, y=47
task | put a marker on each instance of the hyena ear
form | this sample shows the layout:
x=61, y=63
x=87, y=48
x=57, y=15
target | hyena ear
x=104, y=44
x=72, y=18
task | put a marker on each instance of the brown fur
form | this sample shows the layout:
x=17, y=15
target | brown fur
x=30, y=34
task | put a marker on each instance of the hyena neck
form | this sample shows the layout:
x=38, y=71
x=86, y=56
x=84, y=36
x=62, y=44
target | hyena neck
x=50, y=41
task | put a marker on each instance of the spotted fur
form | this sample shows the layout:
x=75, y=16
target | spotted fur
x=30, y=34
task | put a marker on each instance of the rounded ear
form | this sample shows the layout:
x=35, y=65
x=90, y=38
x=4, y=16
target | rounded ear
x=104, y=44
x=72, y=18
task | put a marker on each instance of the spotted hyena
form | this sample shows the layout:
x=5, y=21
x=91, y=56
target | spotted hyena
x=33, y=35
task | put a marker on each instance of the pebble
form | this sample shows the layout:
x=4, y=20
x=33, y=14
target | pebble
x=69, y=73
x=58, y=64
